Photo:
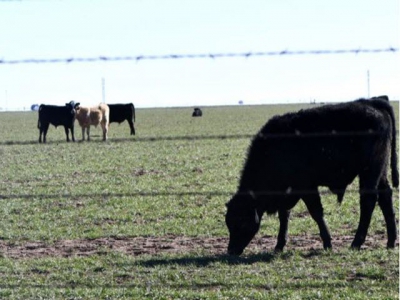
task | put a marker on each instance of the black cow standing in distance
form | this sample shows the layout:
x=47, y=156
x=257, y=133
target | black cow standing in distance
x=197, y=112
x=121, y=112
x=328, y=146
x=57, y=116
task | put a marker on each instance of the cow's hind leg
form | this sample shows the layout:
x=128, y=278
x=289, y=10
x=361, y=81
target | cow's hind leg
x=386, y=204
x=104, y=127
x=131, y=125
x=314, y=206
x=283, y=229
x=368, y=198
x=40, y=135
x=88, y=133
x=83, y=133
x=44, y=131
x=104, y=132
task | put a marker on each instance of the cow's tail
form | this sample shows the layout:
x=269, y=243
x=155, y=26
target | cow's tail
x=133, y=112
x=382, y=103
x=393, y=155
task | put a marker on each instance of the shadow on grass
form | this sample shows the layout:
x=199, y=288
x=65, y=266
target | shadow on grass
x=113, y=195
x=204, y=261
x=58, y=142
x=98, y=139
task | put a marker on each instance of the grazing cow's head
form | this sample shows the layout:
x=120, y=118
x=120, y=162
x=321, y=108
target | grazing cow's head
x=243, y=222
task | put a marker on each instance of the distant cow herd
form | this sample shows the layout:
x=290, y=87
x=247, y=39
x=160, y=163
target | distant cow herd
x=102, y=115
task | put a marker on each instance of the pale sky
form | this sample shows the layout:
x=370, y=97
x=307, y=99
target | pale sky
x=82, y=28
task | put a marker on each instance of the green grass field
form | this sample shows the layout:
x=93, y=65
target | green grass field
x=143, y=217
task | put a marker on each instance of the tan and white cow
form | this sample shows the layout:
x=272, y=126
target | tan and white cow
x=96, y=115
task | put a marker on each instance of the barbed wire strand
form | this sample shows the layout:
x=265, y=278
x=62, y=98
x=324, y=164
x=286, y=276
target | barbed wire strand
x=196, y=56
x=297, y=134
x=191, y=193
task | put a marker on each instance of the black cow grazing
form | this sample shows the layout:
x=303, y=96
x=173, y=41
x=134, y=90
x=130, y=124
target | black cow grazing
x=121, y=112
x=197, y=112
x=58, y=116
x=328, y=146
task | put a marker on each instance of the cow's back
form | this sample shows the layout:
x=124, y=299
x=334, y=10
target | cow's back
x=120, y=112
x=357, y=116
x=55, y=115
x=327, y=146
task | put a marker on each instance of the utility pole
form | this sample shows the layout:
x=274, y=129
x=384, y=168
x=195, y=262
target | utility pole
x=103, y=89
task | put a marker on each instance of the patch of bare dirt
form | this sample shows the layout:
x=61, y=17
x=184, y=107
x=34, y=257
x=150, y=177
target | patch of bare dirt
x=167, y=244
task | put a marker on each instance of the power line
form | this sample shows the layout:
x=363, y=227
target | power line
x=196, y=56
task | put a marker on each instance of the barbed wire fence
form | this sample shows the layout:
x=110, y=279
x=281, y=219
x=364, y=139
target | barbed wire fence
x=323, y=191
x=138, y=58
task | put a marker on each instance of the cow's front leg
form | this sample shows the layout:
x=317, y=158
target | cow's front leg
x=83, y=133
x=314, y=206
x=66, y=133
x=283, y=229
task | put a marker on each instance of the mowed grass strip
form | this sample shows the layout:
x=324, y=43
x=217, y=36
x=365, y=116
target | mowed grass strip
x=160, y=183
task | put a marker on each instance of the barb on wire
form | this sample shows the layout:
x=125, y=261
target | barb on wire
x=194, y=56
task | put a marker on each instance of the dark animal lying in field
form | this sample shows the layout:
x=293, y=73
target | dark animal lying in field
x=328, y=146
x=58, y=116
x=121, y=112
x=197, y=112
